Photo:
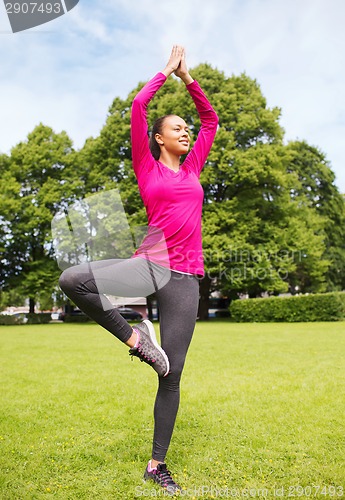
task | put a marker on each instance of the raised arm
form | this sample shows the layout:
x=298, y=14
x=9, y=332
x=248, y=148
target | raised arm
x=209, y=120
x=141, y=153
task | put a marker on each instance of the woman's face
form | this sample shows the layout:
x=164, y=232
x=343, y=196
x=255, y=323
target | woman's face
x=175, y=136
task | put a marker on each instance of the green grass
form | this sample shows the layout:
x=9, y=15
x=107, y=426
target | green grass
x=262, y=406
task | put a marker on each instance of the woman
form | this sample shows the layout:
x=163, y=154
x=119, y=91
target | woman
x=169, y=261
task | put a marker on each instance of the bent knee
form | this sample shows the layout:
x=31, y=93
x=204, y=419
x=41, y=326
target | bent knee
x=67, y=280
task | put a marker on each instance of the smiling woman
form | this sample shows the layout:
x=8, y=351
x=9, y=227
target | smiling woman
x=169, y=137
x=169, y=260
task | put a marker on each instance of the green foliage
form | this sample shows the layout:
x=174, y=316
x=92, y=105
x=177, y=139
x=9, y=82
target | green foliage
x=255, y=234
x=38, y=318
x=76, y=318
x=314, y=307
x=273, y=219
x=11, y=297
x=316, y=189
x=33, y=187
x=25, y=318
x=9, y=319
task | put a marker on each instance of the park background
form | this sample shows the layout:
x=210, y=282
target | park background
x=273, y=224
x=274, y=206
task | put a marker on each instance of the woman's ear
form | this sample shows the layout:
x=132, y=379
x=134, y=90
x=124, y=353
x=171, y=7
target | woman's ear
x=159, y=139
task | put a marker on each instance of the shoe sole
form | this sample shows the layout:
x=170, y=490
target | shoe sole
x=152, y=334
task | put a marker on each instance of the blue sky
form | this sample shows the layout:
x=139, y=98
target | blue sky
x=66, y=73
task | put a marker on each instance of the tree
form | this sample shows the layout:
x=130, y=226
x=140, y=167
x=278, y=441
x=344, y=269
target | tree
x=253, y=231
x=256, y=235
x=4, y=165
x=248, y=210
x=318, y=190
x=32, y=188
x=272, y=218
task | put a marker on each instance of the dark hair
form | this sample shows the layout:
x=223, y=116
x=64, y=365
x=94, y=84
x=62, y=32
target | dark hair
x=156, y=129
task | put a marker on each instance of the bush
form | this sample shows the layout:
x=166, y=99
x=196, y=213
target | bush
x=314, y=307
x=7, y=319
x=38, y=318
x=76, y=318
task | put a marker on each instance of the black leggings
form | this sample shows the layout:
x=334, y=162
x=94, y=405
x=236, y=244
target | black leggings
x=177, y=295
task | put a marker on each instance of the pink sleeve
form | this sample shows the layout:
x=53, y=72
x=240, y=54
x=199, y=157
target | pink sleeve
x=141, y=153
x=197, y=156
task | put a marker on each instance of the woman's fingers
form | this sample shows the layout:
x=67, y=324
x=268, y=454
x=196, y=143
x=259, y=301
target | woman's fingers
x=176, y=55
x=182, y=70
x=175, y=61
x=177, y=49
x=183, y=57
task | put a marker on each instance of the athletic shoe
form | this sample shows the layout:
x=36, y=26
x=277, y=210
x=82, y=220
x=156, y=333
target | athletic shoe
x=162, y=476
x=148, y=349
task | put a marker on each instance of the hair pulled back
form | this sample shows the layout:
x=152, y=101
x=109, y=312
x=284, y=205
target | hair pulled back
x=156, y=129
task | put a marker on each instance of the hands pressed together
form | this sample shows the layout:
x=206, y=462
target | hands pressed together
x=177, y=65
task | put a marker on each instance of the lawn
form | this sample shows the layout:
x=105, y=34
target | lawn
x=262, y=413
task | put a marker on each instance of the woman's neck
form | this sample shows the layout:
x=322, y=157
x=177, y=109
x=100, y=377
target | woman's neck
x=170, y=161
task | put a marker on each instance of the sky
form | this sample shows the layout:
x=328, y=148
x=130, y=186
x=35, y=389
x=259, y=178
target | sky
x=67, y=72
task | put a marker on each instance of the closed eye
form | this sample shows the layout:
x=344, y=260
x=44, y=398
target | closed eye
x=177, y=129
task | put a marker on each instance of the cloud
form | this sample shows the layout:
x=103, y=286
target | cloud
x=68, y=77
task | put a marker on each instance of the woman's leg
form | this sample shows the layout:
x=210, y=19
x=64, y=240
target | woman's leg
x=178, y=305
x=87, y=283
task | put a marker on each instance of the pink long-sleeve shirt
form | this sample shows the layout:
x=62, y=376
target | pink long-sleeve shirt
x=173, y=200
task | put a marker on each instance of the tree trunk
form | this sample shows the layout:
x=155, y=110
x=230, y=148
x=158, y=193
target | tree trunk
x=68, y=307
x=205, y=285
x=31, y=305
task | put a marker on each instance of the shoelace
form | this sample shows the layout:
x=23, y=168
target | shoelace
x=142, y=355
x=151, y=360
x=165, y=477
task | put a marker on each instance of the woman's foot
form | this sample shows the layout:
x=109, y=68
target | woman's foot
x=148, y=350
x=162, y=476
